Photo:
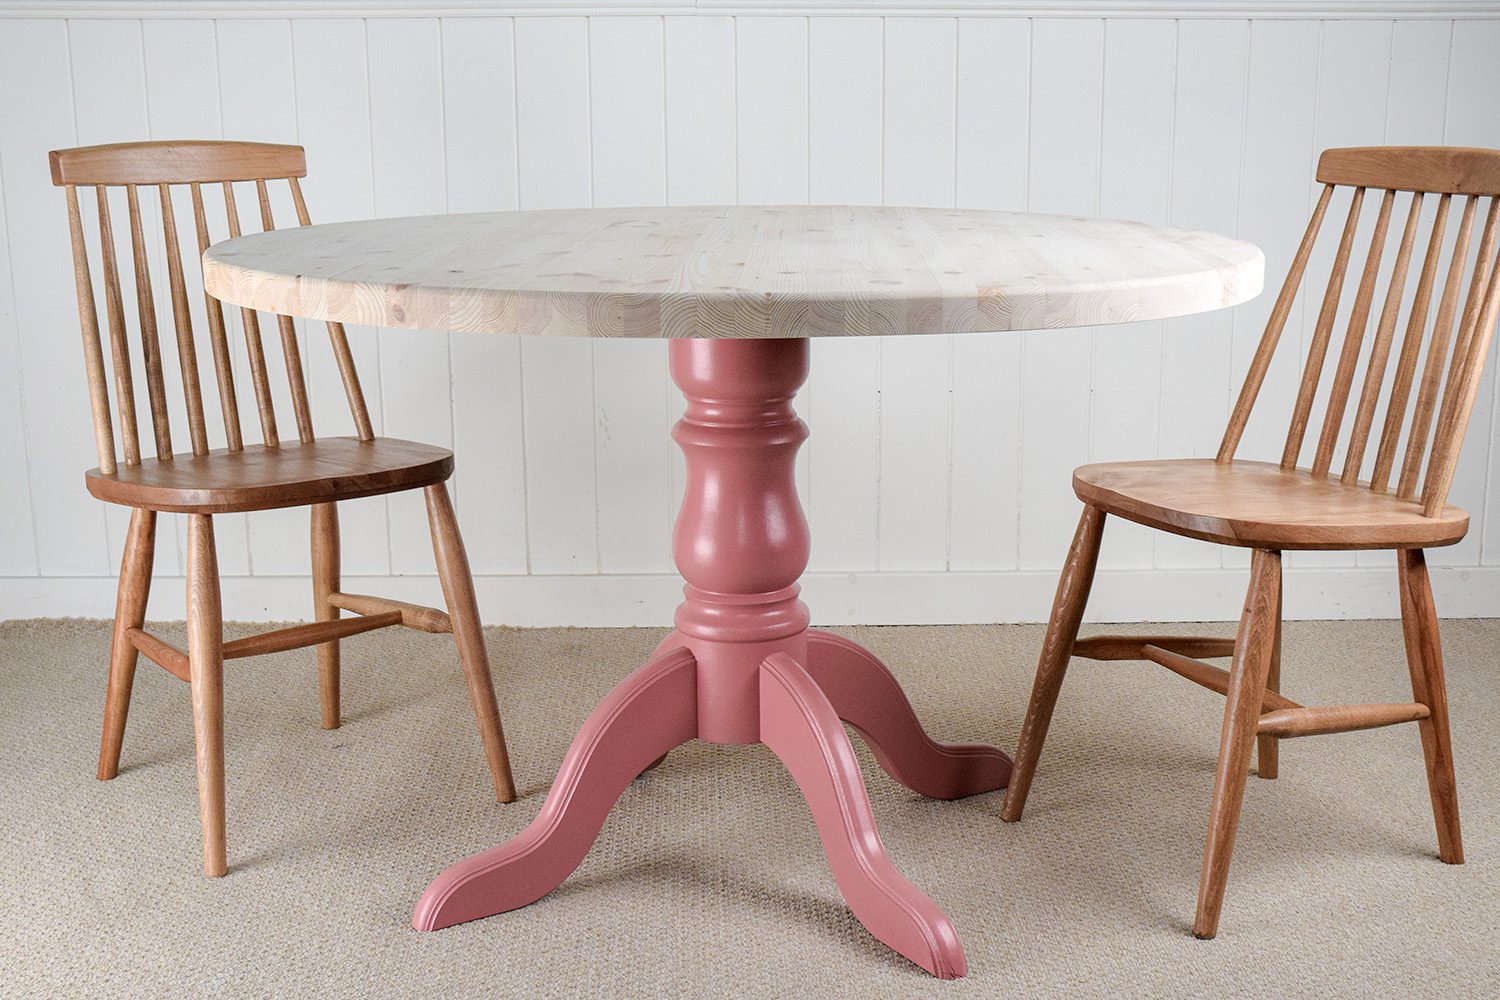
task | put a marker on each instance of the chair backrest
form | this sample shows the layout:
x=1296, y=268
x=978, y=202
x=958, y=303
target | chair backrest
x=195, y=165
x=1431, y=411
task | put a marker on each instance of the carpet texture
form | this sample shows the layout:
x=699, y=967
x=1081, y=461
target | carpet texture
x=708, y=880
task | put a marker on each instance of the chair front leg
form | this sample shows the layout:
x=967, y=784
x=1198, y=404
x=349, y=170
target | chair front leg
x=130, y=612
x=1062, y=630
x=463, y=611
x=1253, y=648
x=205, y=635
x=325, y=577
x=1424, y=656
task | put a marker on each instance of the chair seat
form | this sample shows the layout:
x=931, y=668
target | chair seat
x=261, y=478
x=1260, y=505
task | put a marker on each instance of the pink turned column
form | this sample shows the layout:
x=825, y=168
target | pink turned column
x=741, y=540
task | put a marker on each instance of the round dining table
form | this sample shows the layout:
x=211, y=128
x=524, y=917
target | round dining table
x=739, y=291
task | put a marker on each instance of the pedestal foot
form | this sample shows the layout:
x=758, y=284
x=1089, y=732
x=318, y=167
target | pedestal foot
x=799, y=724
x=652, y=711
x=866, y=695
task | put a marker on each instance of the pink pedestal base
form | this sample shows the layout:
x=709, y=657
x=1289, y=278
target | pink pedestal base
x=743, y=667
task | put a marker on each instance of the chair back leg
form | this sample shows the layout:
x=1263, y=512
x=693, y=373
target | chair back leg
x=325, y=579
x=130, y=613
x=1268, y=747
x=205, y=635
x=1062, y=631
x=463, y=611
x=1253, y=647
x=1424, y=657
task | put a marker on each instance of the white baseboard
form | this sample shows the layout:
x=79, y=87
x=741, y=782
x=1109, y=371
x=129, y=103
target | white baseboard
x=835, y=598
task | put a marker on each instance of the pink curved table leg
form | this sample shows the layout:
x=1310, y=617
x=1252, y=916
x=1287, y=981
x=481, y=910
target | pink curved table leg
x=866, y=695
x=649, y=713
x=800, y=726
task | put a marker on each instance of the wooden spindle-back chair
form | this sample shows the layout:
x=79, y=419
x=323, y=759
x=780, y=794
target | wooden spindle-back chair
x=313, y=471
x=1378, y=476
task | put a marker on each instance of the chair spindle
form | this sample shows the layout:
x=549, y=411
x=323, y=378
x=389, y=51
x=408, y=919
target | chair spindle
x=1354, y=336
x=348, y=374
x=145, y=301
x=1437, y=352
x=1313, y=370
x=1380, y=349
x=93, y=351
x=290, y=352
x=1467, y=367
x=251, y=322
x=1411, y=349
x=218, y=340
x=1473, y=304
x=119, y=344
x=182, y=320
x=1274, y=326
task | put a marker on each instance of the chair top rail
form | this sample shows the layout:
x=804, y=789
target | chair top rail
x=1433, y=169
x=176, y=162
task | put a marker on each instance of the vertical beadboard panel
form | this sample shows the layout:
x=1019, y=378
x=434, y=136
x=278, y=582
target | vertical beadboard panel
x=552, y=136
x=770, y=88
x=845, y=73
x=700, y=110
x=1135, y=182
x=109, y=92
x=479, y=128
x=845, y=69
x=1067, y=78
x=1418, y=86
x=1273, y=207
x=1212, y=59
x=18, y=528
x=72, y=534
x=258, y=102
x=994, y=69
x=627, y=121
x=552, y=80
x=921, y=59
x=1471, y=120
x=479, y=113
x=1469, y=123
x=771, y=110
x=70, y=527
x=700, y=136
x=174, y=51
x=921, y=76
x=333, y=124
x=404, y=59
x=21, y=204
x=1275, y=184
x=633, y=398
x=994, y=113
x=1353, y=64
x=1418, y=83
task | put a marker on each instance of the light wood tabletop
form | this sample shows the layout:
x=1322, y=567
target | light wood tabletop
x=746, y=272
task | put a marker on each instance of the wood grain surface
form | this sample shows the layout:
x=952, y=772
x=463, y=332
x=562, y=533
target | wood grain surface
x=749, y=271
x=1261, y=505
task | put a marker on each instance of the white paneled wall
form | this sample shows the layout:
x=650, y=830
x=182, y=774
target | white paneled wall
x=937, y=475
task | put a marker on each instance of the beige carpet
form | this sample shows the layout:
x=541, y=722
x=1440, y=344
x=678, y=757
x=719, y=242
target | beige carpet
x=708, y=879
